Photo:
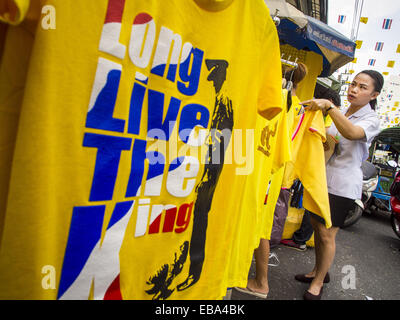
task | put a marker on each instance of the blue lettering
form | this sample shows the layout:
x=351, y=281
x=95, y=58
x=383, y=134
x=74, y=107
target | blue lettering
x=107, y=162
x=155, y=115
x=172, y=72
x=101, y=116
x=192, y=115
x=194, y=77
x=120, y=210
x=84, y=233
x=135, y=113
x=139, y=155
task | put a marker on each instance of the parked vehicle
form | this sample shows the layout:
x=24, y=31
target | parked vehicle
x=381, y=195
x=395, y=205
x=370, y=182
x=377, y=176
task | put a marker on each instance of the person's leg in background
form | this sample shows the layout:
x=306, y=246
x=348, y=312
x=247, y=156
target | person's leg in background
x=259, y=285
x=306, y=230
x=302, y=235
x=260, y=282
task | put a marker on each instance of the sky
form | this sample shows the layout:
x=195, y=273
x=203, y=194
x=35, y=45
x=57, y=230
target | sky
x=371, y=33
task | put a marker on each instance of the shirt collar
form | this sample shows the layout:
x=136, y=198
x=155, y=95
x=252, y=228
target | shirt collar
x=362, y=112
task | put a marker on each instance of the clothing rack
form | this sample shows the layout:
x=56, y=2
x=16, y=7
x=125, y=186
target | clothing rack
x=289, y=63
x=294, y=65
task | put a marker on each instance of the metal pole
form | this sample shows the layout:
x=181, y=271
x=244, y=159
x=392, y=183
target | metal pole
x=358, y=6
x=358, y=19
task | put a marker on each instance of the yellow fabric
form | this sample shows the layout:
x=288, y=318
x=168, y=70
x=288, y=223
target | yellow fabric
x=282, y=142
x=287, y=179
x=69, y=134
x=309, y=163
x=13, y=11
x=271, y=152
x=328, y=121
x=15, y=51
x=313, y=61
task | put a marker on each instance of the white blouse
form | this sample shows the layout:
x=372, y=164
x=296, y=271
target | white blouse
x=343, y=170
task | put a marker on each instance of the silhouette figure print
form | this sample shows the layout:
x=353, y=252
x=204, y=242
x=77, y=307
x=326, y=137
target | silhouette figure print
x=218, y=140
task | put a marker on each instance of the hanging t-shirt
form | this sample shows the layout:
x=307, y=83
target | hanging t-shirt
x=15, y=50
x=293, y=113
x=277, y=178
x=309, y=163
x=126, y=171
x=271, y=152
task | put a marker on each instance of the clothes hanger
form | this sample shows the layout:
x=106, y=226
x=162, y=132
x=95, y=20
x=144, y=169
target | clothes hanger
x=288, y=84
x=293, y=66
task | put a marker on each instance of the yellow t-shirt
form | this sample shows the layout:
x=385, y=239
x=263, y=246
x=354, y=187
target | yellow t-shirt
x=15, y=50
x=293, y=118
x=271, y=152
x=309, y=163
x=111, y=174
x=277, y=179
x=328, y=121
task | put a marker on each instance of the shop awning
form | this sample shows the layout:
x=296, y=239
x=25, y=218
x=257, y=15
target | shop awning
x=306, y=33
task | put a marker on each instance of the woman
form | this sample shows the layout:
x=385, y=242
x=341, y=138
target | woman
x=356, y=127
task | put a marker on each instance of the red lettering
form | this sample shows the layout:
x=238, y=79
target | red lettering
x=115, y=11
x=173, y=218
x=155, y=226
x=169, y=222
x=185, y=211
x=142, y=18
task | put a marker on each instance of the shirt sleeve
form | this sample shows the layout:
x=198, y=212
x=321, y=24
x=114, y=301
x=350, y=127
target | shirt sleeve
x=270, y=91
x=370, y=125
x=317, y=125
x=13, y=11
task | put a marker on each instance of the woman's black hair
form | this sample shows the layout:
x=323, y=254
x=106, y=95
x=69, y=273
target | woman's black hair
x=378, y=83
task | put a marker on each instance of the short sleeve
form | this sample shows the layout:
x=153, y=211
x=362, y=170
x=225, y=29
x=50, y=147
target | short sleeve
x=13, y=11
x=317, y=125
x=370, y=125
x=270, y=91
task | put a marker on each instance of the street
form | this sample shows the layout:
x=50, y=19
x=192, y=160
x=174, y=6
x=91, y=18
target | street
x=369, y=249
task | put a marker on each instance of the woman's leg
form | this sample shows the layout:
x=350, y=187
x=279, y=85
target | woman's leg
x=260, y=283
x=324, y=254
x=317, y=254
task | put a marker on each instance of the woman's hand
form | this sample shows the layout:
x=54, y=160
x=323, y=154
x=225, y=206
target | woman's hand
x=345, y=127
x=316, y=104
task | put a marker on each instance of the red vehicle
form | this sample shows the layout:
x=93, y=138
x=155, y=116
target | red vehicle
x=395, y=204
